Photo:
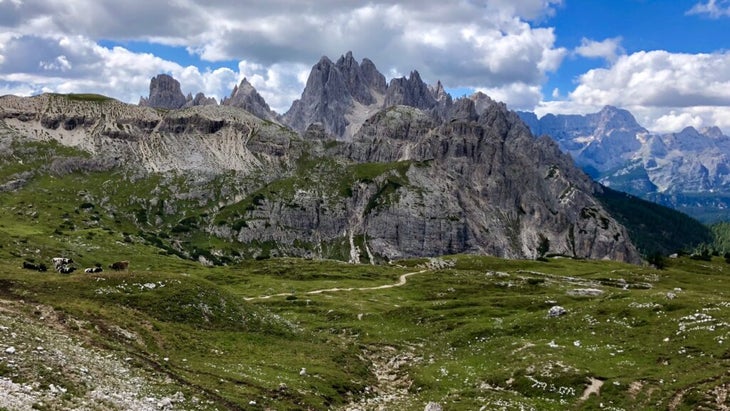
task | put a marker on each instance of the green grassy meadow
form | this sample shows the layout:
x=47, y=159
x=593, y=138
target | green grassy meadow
x=469, y=336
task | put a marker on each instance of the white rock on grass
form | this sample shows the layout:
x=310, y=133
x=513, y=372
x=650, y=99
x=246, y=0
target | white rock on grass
x=10, y=350
x=585, y=292
x=433, y=406
x=556, y=311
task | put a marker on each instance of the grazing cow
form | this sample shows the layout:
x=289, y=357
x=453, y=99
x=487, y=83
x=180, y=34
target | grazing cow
x=32, y=266
x=92, y=270
x=29, y=266
x=66, y=269
x=61, y=261
x=119, y=265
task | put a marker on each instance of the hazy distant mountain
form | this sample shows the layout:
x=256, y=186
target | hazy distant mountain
x=689, y=170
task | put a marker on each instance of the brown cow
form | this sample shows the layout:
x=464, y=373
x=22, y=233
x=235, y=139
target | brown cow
x=119, y=265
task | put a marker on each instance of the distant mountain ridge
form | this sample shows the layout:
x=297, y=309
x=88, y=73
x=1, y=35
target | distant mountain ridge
x=688, y=170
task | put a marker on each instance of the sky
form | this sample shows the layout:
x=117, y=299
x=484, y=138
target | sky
x=668, y=62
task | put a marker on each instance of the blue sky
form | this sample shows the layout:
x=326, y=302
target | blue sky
x=666, y=61
x=641, y=25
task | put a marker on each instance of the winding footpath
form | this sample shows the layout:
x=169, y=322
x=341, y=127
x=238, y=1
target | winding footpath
x=401, y=282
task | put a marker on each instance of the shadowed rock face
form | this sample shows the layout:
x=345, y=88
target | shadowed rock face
x=164, y=93
x=325, y=100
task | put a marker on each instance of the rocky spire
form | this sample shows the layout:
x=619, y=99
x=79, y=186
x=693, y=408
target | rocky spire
x=481, y=101
x=200, y=100
x=246, y=97
x=410, y=91
x=355, y=82
x=374, y=79
x=164, y=93
x=325, y=100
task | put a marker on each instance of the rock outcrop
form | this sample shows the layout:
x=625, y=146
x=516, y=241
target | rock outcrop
x=246, y=97
x=165, y=93
x=339, y=96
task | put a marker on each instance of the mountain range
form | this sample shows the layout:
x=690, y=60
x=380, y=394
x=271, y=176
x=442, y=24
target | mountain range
x=357, y=170
x=688, y=170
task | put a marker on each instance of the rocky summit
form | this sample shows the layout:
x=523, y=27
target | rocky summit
x=246, y=97
x=340, y=96
x=165, y=93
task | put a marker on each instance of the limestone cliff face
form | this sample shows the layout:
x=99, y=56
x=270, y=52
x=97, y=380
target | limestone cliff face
x=477, y=185
x=208, y=139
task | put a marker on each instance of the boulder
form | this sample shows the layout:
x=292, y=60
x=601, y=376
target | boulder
x=556, y=311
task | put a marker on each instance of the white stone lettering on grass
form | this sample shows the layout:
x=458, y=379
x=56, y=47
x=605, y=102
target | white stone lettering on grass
x=563, y=391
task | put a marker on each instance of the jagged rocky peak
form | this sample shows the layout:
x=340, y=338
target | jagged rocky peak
x=373, y=77
x=439, y=93
x=411, y=91
x=613, y=117
x=200, y=100
x=246, y=97
x=712, y=132
x=354, y=79
x=481, y=101
x=165, y=93
x=325, y=99
x=338, y=95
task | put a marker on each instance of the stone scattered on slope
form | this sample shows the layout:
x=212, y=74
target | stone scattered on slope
x=556, y=311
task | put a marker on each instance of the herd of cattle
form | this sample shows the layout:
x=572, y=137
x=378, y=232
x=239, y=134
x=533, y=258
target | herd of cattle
x=65, y=266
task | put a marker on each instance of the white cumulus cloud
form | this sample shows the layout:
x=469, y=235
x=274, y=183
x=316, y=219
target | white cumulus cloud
x=665, y=91
x=712, y=8
x=608, y=49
